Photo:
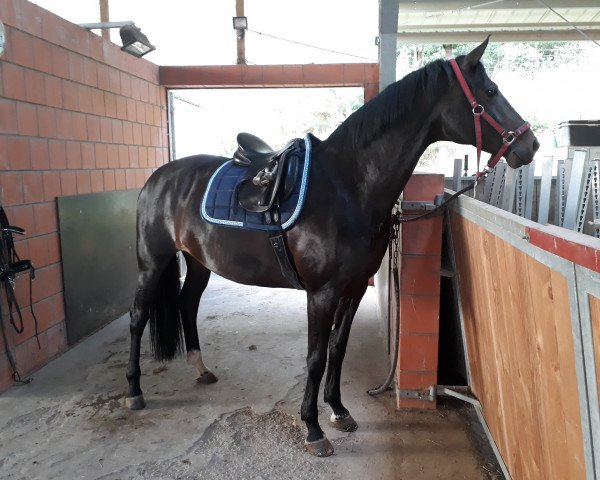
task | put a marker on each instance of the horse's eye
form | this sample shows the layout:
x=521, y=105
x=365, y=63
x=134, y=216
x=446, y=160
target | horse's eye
x=491, y=92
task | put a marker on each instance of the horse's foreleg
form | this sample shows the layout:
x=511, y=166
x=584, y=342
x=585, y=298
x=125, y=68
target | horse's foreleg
x=196, y=281
x=321, y=310
x=340, y=418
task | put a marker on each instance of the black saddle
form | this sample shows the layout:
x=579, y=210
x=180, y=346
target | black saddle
x=272, y=174
x=251, y=149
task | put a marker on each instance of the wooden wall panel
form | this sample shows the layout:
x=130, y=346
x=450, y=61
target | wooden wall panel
x=520, y=346
x=595, y=316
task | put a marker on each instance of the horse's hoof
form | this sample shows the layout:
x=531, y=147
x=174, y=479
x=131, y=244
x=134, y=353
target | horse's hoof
x=344, y=423
x=319, y=448
x=207, y=377
x=135, y=403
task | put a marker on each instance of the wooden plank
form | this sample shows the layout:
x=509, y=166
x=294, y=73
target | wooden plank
x=595, y=316
x=517, y=328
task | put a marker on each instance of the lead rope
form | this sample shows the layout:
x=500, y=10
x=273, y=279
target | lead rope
x=393, y=259
x=451, y=198
x=393, y=255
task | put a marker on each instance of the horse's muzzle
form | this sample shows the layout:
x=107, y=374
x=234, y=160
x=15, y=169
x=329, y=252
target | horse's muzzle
x=522, y=151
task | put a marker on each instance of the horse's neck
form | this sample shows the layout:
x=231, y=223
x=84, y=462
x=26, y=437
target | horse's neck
x=379, y=171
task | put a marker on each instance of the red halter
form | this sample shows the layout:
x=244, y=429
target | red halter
x=508, y=137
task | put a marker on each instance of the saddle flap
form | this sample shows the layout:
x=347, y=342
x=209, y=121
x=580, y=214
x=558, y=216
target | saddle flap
x=254, y=197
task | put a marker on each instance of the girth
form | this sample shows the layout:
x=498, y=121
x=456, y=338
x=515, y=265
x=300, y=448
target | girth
x=271, y=178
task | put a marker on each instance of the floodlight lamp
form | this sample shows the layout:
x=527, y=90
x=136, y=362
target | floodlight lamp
x=134, y=41
x=240, y=23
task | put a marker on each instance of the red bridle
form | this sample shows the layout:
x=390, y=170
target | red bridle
x=508, y=136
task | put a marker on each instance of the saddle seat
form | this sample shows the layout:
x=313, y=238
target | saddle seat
x=272, y=174
x=251, y=148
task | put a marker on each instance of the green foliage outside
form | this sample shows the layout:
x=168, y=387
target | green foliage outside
x=528, y=58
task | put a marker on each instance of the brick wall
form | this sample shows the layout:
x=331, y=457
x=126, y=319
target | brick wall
x=420, y=251
x=77, y=115
x=364, y=75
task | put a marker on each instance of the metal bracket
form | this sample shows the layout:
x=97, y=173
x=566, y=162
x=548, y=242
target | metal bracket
x=414, y=205
x=462, y=393
x=434, y=391
x=415, y=394
x=406, y=205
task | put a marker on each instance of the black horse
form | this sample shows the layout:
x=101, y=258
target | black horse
x=339, y=239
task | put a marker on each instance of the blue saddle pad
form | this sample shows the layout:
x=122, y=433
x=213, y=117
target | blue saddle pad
x=220, y=207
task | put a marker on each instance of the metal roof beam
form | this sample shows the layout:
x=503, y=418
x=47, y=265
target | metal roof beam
x=498, y=26
x=448, y=5
x=497, y=36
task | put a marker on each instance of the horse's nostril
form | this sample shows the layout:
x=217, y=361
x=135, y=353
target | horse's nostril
x=536, y=145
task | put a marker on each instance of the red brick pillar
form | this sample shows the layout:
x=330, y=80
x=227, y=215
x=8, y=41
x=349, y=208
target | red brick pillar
x=420, y=247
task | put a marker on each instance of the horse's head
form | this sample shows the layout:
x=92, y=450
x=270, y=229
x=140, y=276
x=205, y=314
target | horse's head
x=503, y=131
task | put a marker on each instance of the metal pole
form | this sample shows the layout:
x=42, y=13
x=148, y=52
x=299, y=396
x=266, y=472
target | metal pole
x=575, y=194
x=596, y=197
x=529, y=191
x=508, y=194
x=171, y=124
x=457, y=179
x=545, y=189
x=104, y=17
x=560, y=193
x=388, y=40
x=241, y=34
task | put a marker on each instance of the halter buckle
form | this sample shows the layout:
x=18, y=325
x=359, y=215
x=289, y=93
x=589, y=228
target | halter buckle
x=484, y=173
x=478, y=110
x=509, y=138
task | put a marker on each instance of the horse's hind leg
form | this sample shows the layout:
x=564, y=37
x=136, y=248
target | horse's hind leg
x=338, y=340
x=195, y=282
x=150, y=271
x=139, y=318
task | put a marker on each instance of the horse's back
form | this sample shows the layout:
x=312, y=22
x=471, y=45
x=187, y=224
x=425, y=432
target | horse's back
x=171, y=193
x=184, y=171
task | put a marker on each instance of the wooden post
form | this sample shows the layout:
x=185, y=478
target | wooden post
x=104, y=17
x=241, y=34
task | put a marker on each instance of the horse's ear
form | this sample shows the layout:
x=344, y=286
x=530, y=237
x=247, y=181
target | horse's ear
x=471, y=60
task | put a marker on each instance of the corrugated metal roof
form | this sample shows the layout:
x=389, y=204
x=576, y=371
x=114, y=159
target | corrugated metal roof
x=511, y=20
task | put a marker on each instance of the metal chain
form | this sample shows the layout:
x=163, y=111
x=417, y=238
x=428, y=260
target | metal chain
x=394, y=238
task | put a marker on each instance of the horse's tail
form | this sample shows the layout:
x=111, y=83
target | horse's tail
x=165, y=320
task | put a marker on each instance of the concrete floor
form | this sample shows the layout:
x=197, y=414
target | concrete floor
x=70, y=422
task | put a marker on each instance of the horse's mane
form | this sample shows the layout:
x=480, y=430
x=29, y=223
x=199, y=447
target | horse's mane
x=395, y=103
